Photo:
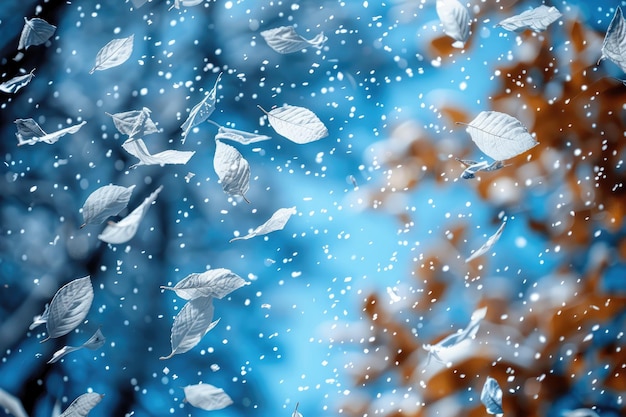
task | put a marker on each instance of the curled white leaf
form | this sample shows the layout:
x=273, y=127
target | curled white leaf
x=69, y=307
x=499, y=135
x=104, y=202
x=134, y=123
x=114, y=53
x=35, y=32
x=276, y=222
x=191, y=324
x=11, y=404
x=488, y=244
x=285, y=40
x=94, y=342
x=14, y=84
x=455, y=19
x=207, y=397
x=537, y=19
x=232, y=169
x=614, y=45
x=41, y=319
x=29, y=132
x=201, y=111
x=245, y=138
x=491, y=396
x=216, y=283
x=125, y=229
x=468, y=333
x=82, y=405
x=298, y=124
x=138, y=149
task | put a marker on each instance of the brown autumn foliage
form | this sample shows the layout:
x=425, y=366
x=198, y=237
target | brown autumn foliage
x=539, y=353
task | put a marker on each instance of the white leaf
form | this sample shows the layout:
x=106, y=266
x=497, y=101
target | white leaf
x=499, y=135
x=245, y=138
x=69, y=307
x=232, y=169
x=138, y=3
x=285, y=40
x=11, y=404
x=106, y=201
x=82, y=405
x=191, y=324
x=134, y=123
x=614, y=45
x=29, y=132
x=125, y=229
x=276, y=222
x=185, y=3
x=297, y=124
x=94, y=342
x=113, y=54
x=14, y=84
x=468, y=333
x=491, y=396
x=296, y=413
x=537, y=19
x=488, y=244
x=201, y=111
x=455, y=20
x=216, y=283
x=39, y=320
x=207, y=397
x=138, y=149
x=35, y=32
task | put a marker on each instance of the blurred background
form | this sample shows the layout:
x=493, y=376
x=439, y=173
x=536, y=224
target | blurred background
x=372, y=266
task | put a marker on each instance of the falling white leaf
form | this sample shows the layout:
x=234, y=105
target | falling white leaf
x=35, y=32
x=207, y=397
x=245, y=138
x=69, y=307
x=297, y=124
x=285, y=40
x=537, y=19
x=232, y=169
x=499, y=135
x=138, y=149
x=276, y=222
x=138, y=3
x=191, y=324
x=491, y=396
x=296, y=413
x=29, y=132
x=216, y=283
x=474, y=166
x=134, y=123
x=113, y=54
x=468, y=333
x=125, y=229
x=41, y=319
x=82, y=405
x=488, y=244
x=94, y=342
x=455, y=19
x=14, y=84
x=614, y=45
x=104, y=202
x=185, y=3
x=201, y=111
x=580, y=412
x=11, y=404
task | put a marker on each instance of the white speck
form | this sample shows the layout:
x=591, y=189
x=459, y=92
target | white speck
x=33, y=188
